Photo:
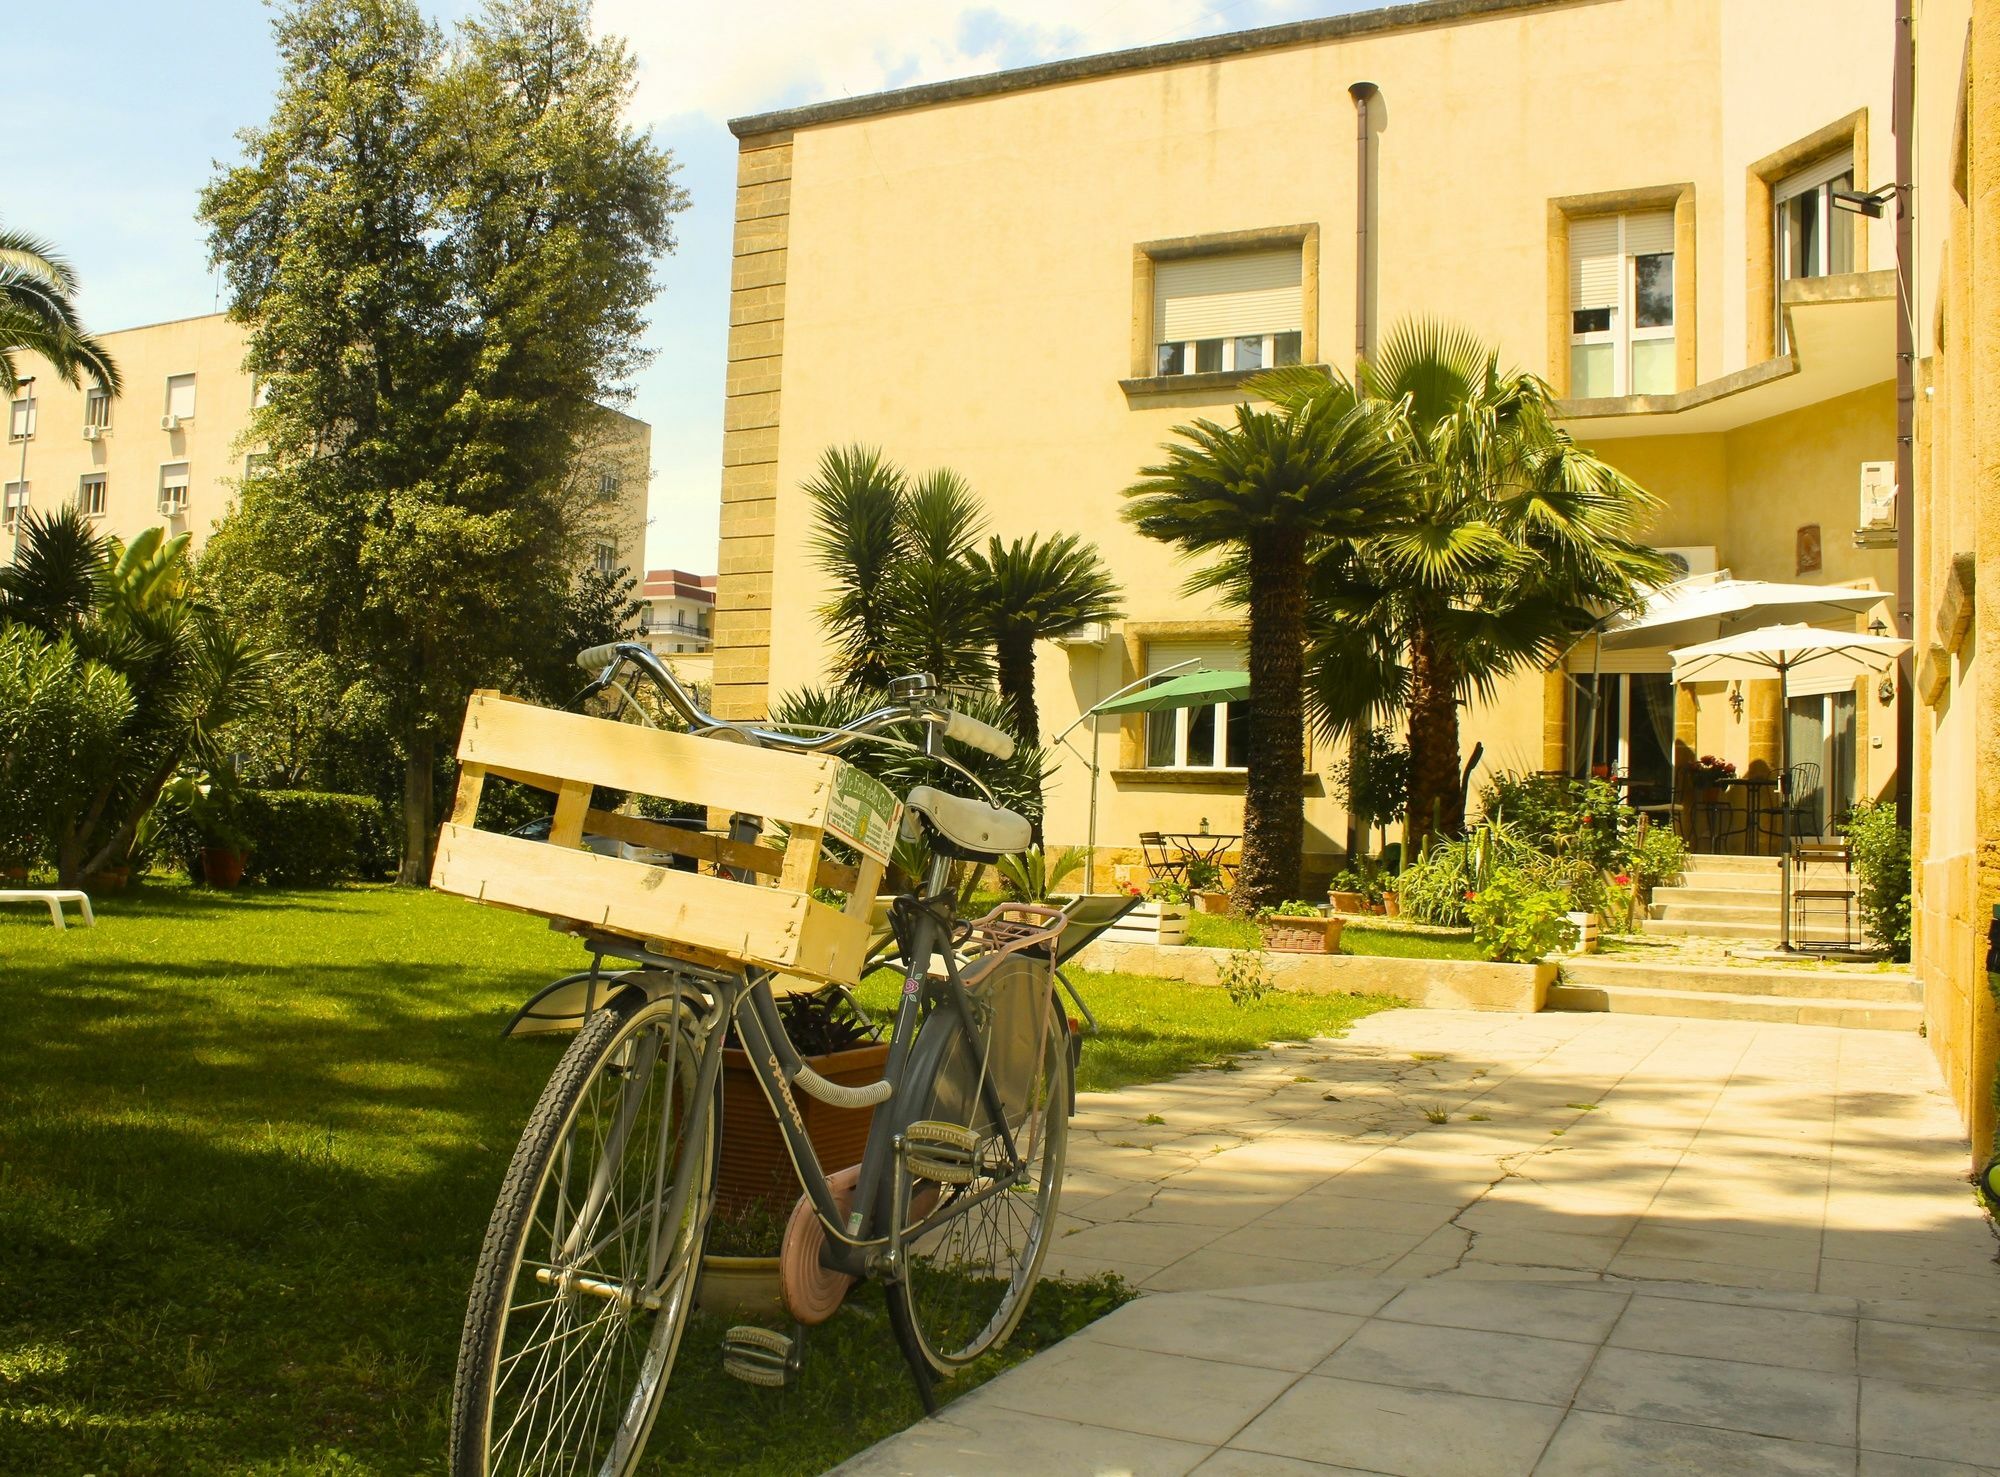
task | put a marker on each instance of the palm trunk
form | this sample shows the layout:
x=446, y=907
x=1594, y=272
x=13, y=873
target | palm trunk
x=1015, y=651
x=1435, y=792
x=1274, y=792
x=419, y=829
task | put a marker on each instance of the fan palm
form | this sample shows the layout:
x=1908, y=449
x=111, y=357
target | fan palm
x=1508, y=545
x=1258, y=496
x=857, y=500
x=934, y=617
x=38, y=316
x=1037, y=589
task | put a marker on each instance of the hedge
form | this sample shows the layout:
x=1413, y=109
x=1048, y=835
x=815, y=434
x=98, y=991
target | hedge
x=305, y=836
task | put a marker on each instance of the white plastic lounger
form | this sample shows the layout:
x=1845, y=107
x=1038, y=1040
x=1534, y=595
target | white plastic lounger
x=54, y=897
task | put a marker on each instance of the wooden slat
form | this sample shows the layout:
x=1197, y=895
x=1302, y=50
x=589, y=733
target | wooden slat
x=867, y=882
x=793, y=788
x=471, y=785
x=719, y=851
x=572, y=804
x=801, y=858
x=760, y=925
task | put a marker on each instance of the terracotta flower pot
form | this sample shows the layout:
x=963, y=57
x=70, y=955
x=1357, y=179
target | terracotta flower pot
x=1212, y=902
x=1392, y=905
x=755, y=1167
x=1347, y=902
x=221, y=867
x=111, y=879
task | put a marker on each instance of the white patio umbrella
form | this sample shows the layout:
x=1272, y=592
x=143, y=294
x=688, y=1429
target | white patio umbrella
x=1786, y=652
x=1708, y=607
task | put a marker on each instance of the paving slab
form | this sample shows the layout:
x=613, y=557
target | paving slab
x=1634, y=1244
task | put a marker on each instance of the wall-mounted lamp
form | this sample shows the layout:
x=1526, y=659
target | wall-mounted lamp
x=1736, y=698
x=1878, y=627
x=1871, y=204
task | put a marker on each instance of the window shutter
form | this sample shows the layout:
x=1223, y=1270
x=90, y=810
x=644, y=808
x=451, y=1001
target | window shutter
x=1593, y=262
x=174, y=474
x=1203, y=297
x=1649, y=234
x=1216, y=656
x=180, y=396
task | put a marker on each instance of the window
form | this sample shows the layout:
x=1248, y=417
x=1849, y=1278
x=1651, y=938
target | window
x=97, y=409
x=1239, y=311
x=607, y=486
x=1633, y=736
x=13, y=498
x=1212, y=737
x=255, y=465
x=260, y=392
x=180, y=396
x=173, y=488
x=21, y=419
x=1810, y=238
x=1621, y=292
x=90, y=494
x=606, y=557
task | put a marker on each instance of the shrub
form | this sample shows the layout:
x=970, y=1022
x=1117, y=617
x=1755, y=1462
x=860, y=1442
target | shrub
x=1882, y=868
x=304, y=837
x=1660, y=855
x=1245, y=975
x=1516, y=918
x=60, y=717
x=1030, y=876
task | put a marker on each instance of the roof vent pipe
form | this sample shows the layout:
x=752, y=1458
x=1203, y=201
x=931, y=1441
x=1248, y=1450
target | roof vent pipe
x=1362, y=93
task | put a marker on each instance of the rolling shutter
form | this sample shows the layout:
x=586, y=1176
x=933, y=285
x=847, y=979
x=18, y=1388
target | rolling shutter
x=1216, y=656
x=1649, y=234
x=180, y=395
x=1593, y=262
x=174, y=475
x=1203, y=297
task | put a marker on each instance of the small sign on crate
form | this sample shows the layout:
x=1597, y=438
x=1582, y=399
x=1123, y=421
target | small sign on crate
x=773, y=922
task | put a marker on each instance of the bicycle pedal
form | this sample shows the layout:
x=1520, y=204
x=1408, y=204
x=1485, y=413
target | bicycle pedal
x=760, y=1356
x=943, y=1152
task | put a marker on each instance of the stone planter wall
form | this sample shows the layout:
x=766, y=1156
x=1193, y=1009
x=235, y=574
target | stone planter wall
x=1440, y=984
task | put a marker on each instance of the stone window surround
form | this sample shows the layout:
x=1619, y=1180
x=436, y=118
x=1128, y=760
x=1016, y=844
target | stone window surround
x=1843, y=135
x=1143, y=381
x=1131, y=770
x=1563, y=209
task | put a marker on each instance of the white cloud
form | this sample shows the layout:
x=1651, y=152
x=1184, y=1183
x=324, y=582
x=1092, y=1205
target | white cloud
x=741, y=59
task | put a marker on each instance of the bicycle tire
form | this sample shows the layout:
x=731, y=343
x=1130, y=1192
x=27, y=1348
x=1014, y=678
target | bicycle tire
x=595, y=1428
x=963, y=1286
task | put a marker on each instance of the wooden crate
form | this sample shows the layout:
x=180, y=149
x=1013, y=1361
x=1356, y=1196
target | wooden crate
x=710, y=919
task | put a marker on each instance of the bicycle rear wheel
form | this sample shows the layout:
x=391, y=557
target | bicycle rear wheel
x=582, y=1292
x=976, y=1249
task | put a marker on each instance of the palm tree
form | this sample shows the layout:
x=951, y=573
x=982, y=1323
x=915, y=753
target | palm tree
x=857, y=500
x=1031, y=590
x=934, y=617
x=1508, y=545
x=1260, y=494
x=38, y=317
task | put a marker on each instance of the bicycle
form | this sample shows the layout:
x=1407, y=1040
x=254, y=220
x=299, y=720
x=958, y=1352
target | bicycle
x=588, y=1270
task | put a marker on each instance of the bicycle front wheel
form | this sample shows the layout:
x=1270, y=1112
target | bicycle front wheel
x=976, y=1248
x=583, y=1289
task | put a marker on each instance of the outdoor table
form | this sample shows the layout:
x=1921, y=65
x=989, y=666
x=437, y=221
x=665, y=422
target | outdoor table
x=1754, y=792
x=1202, y=846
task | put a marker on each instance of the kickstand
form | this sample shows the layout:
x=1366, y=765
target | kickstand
x=920, y=1367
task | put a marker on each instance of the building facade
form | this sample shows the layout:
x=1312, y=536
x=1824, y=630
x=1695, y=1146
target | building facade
x=1033, y=277
x=173, y=449
x=678, y=622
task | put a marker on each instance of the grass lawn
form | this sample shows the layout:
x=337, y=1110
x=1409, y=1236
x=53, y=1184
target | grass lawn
x=1221, y=931
x=248, y=1145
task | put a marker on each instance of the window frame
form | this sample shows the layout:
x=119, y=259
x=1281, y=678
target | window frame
x=24, y=412
x=1623, y=333
x=185, y=488
x=167, y=408
x=97, y=408
x=86, y=484
x=604, y=556
x=1145, y=377
x=15, y=499
x=1817, y=179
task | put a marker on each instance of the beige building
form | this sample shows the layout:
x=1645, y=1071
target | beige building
x=678, y=622
x=1957, y=589
x=173, y=449
x=1032, y=277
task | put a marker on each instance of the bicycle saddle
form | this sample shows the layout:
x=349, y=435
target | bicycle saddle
x=970, y=829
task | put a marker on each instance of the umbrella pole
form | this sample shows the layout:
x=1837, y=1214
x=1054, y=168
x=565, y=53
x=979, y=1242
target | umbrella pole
x=1785, y=806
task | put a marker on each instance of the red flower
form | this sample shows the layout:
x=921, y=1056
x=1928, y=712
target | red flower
x=1470, y=894
x=1622, y=880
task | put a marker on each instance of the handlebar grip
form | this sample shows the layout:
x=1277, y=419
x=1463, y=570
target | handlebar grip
x=597, y=658
x=979, y=735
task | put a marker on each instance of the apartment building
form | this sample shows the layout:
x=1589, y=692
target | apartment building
x=1033, y=277
x=678, y=622
x=173, y=449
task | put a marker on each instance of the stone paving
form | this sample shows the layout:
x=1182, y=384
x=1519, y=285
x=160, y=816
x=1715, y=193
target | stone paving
x=1458, y=1242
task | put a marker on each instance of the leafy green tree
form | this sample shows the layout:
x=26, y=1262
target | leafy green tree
x=1037, y=589
x=443, y=257
x=154, y=677
x=1507, y=545
x=1255, y=498
x=38, y=316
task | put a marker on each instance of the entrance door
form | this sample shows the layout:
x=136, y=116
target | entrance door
x=1820, y=729
x=1634, y=732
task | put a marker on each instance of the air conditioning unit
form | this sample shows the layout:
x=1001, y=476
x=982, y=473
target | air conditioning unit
x=1689, y=559
x=170, y=423
x=93, y=433
x=174, y=502
x=1095, y=633
x=1878, y=496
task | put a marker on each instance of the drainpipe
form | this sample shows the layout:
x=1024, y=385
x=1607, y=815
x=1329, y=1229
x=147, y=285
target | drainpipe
x=1901, y=109
x=1362, y=93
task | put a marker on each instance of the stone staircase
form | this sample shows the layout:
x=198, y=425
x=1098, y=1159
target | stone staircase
x=1860, y=999
x=1733, y=897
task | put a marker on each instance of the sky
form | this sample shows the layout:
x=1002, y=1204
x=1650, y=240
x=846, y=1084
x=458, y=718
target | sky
x=116, y=122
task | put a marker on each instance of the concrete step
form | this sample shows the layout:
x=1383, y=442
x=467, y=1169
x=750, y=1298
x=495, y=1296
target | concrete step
x=1721, y=861
x=1717, y=897
x=1755, y=917
x=1680, y=928
x=1698, y=878
x=1860, y=1015
x=1884, y=987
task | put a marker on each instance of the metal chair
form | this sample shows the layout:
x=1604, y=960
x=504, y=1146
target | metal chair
x=1161, y=859
x=1822, y=891
x=1794, y=811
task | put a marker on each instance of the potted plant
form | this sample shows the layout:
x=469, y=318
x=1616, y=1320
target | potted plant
x=1709, y=774
x=1204, y=880
x=1300, y=928
x=739, y=1266
x=1348, y=891
x=1160, y=919
x=840, y=1044
x=212, y=809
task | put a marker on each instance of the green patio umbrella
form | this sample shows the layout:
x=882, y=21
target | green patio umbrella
x=1189, y=690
